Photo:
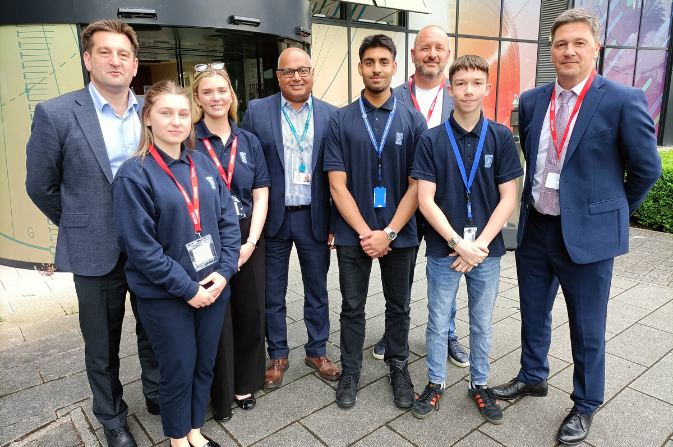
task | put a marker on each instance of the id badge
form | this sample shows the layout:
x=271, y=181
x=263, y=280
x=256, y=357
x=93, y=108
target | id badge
x=202, y=252
x=470, y=234
x=239, y=207
x=553, y=180
x=379, y=197
x=300, y=178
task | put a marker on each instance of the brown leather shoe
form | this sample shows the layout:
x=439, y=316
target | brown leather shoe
x=274, y=375
x=324, y=366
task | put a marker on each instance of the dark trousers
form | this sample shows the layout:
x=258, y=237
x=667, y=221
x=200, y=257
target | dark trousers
x=397, y=276
x=185, y=341
x=542, y=262
x=314, y=262
x=102, y=301
x=241, y=360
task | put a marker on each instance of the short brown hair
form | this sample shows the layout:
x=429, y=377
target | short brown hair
x=468, y=62
x=111, y=26
x=577, y=15
x=197, y=110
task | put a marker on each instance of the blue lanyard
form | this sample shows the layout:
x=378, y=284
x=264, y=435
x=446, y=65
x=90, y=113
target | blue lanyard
x=461, y=166
x=378, y=147
x=302, y=168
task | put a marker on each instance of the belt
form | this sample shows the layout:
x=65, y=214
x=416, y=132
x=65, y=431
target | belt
x=296, y=207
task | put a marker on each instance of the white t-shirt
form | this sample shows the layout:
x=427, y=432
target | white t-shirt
x=425, y=98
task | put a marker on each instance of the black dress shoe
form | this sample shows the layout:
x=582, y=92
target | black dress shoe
x=119, y=437
x=575, y=427
x=211, y=443
x=152, y=407
x=515, y=388
x=219, y=418
x=247, y=403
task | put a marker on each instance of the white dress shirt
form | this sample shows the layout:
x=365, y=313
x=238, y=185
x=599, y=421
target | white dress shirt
x=296, y=194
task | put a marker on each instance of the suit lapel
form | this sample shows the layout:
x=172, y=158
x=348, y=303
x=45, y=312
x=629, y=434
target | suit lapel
x=274, y=112
x=587, y=109
x=88, y=121
x=539, y=114
x=318, y=129
x=447, y=105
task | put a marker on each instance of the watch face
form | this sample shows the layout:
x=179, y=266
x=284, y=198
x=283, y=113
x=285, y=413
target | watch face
x=392, y=235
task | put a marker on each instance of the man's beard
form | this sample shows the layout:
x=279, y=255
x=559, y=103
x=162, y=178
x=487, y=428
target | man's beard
x=429, y=75
x=377, y=88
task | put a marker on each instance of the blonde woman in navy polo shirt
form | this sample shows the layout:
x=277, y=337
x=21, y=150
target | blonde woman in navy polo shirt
x=237, y=154
x=177, y=223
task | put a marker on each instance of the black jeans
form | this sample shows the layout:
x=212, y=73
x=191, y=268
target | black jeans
x=397, y=276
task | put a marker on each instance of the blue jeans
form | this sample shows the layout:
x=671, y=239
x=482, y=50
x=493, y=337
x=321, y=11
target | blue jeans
x=482, y=289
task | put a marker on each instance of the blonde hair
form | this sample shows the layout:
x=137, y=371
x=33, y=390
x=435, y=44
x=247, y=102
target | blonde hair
x=197, y=110
x=159, y=89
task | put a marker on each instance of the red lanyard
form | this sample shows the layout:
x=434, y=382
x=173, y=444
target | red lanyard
x=193, y=209
x=552, y=114
x=232, y=160
x=432, y=106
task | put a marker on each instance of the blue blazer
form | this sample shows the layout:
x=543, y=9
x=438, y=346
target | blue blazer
x=402, y=93
x=613, y=135
x=263, y=119
x=68, y=177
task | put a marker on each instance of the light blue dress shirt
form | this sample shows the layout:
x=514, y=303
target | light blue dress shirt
x=296, y=194
x=121, y=134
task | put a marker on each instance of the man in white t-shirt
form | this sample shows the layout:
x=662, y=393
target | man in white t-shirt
x=426, y=91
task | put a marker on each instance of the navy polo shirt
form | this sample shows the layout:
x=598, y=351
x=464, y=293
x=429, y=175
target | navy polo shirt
x=435, y=162
x=348, y=148
x=250, y=170
x=153, y=224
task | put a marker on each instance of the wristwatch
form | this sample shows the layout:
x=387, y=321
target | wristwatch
x=391, y=234
x=253, y=241
x=454, y=241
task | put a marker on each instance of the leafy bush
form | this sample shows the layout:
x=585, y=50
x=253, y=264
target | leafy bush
x=656, y=212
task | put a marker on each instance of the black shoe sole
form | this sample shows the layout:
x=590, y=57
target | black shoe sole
x=534, y=394
x=343, y=404
x=571, y=443
x=311, y=365
x=404, y=405
x=422, y=416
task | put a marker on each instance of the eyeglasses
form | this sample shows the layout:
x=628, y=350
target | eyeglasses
x=289, y=72
x=213, y=65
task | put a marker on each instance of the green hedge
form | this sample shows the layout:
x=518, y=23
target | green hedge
x=656, y=212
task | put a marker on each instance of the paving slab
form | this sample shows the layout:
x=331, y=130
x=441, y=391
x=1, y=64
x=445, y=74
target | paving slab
x=62, y=364
x=634, y=418
x=29, y=352
x=646, y=296
x=622, y=315
x=19, y=429
x=50, y=328
x=383, y=436
x=152, y=425
x=477, y=439
x=60, y=433
x=18, y=378
x=506, y=368
x=629, y=344
x=26, y=317
x=658, y=380
x=295, y=435
x=661, y=318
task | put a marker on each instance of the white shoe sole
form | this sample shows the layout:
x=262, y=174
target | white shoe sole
x=378, y=356
x=459, y=364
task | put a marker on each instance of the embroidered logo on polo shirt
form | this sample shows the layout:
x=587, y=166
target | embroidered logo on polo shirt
x=244, y=157
x=212, y=182
x=398, y=138
x=488, y=160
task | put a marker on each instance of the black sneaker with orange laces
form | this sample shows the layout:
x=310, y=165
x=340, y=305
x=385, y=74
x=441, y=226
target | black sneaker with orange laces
x=488, y=404
x=427, y=401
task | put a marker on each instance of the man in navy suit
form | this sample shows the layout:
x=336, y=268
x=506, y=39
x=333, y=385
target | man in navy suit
x=78, y=141
x=290, y=125
x=580, y=135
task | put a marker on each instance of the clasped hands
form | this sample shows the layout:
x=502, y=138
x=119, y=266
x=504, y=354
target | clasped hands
x=375, y=243
x=206, y=297
x=469, y=255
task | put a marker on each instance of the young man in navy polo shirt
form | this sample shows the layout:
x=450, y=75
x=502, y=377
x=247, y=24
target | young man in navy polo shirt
x=369, y=150
x=466, y=171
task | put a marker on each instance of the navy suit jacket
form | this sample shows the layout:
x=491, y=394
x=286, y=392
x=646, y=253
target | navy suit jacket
x=263, y=119
x=68, y=177
x=613, y=134
x=402, y=93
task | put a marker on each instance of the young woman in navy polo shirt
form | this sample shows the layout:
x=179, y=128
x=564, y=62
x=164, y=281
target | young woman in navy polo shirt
x=238, y=156
x=176, y=221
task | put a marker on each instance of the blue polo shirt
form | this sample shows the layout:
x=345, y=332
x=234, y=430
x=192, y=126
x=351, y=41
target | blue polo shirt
x=153, y=224
x=435, y=162
x=250, y=170
x=348, y=148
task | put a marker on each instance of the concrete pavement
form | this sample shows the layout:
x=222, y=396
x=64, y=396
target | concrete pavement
x=45, y=398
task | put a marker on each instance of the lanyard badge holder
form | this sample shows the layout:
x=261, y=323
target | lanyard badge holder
x=379, y=191
x=230, y=172
x=201, y=251
x=300, y=177
x=470, y=231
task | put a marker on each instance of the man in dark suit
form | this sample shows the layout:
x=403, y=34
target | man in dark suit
x=78, y=141
x=575, y=210
x=427, y=92
x=290, y=125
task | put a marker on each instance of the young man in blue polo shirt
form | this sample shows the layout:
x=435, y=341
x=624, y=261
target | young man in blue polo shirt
x=466, y=171
x=369, y=150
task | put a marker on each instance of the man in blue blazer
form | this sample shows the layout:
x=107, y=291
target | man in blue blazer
x=290, y=125
x=78, y=141
x=575, y=210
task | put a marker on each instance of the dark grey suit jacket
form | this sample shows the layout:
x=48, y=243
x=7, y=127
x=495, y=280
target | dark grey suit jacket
x=401, y=92
x=68, y=177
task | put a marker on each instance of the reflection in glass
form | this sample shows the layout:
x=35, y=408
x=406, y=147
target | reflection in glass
x=521, y=19
x=326, y=9
x=655, y=25
x=443, y=15
x=381, y=16
x=651, y=77
x=619, y=65
x=328, y=53
x=479, y=18
x=488, y=49
x=517, y=74
x=600, y=9
x=623, y=21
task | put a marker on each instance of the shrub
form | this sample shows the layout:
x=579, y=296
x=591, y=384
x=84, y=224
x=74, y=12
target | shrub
x=656, y=212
